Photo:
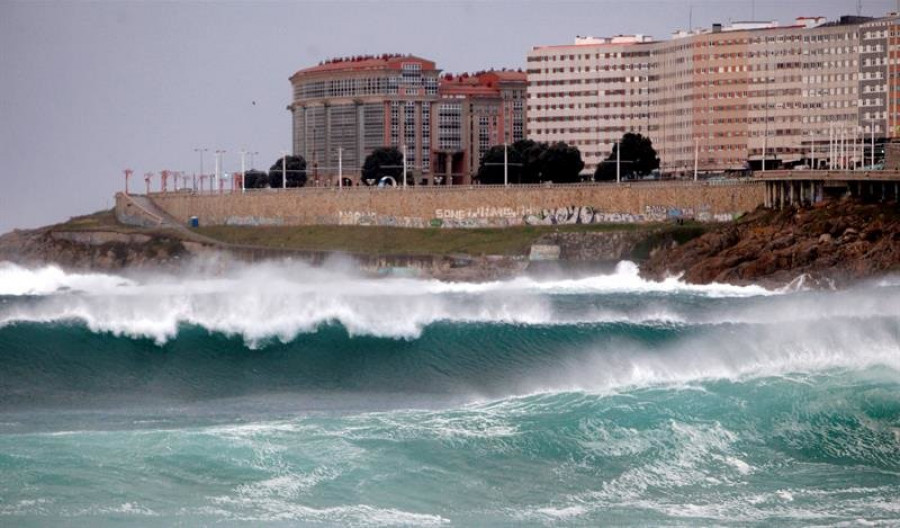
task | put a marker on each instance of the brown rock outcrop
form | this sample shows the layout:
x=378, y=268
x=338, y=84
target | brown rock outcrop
x=834, y=243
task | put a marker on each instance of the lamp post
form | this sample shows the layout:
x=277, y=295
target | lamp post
x=128, y=173
x=618, y=147
x=340, y=151
x=284, y=154
x=505, y=165
x=218, y=166
x=872, y=148
x=243, y=168
x=404, y=166
x=201, y=151
x=697, y=158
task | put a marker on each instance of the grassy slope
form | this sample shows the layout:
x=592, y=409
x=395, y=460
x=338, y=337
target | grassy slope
x=375, y=240
x=393, y=240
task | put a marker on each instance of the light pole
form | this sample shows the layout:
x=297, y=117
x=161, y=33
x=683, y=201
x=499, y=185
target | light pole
x=128, y=173
x=697, y=158
x=618, y=147
x=404, y=166
x=218, y=166
x=872, y=148
x=505, y=166
x=243, y=168
x=201, y=151
x=340, y=168
x=284, y=154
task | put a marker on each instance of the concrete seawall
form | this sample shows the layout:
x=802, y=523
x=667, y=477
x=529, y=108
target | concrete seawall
x=469, y=206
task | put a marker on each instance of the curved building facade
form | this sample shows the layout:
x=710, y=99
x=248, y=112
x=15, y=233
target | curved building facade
x=344, y=108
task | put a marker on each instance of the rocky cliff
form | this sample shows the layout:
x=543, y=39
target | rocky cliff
x=834, y=243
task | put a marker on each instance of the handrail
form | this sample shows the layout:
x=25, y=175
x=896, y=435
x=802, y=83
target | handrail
x=485, y=188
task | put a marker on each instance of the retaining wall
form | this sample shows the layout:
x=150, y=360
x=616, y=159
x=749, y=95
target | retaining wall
x=469, y=206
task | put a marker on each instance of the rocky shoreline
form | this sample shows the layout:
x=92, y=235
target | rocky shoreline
x=829, y=245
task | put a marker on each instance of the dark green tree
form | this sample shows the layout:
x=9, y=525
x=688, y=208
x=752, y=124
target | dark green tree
x=295, y=171
x=490, y=171
x=383, y=161
x=255, y=179
x=530, y=152
x=561, y=163
x=638, y=158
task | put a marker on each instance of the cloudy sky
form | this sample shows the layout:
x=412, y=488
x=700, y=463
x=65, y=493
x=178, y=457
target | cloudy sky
x=90, y=88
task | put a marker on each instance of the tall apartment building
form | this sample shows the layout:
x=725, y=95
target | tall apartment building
x=444, y=122
x=727, y=96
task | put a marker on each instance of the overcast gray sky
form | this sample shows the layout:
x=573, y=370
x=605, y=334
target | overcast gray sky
x=90, y=88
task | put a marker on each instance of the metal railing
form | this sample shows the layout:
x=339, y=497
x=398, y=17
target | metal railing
x=362, y=189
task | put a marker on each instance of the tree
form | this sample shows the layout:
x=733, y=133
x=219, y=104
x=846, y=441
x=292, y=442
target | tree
x=295, y=170
x=383, y=161
x=638, y=157
x=490, y=171
x=255, y=179
x=561, y=163
x=530, y=152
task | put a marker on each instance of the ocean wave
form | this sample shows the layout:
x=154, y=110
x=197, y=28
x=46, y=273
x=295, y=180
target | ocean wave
x=283, y=300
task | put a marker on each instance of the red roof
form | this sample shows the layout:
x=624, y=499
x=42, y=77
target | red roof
x=381, y=62
x=481, y=83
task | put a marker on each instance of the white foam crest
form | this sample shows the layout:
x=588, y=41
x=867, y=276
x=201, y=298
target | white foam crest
x=625, y=279
x=755, y=352
x=17, y=280
x=266, y=301
x=281, y=300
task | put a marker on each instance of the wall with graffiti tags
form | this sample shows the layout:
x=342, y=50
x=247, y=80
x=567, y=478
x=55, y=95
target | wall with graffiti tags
x=470, y=207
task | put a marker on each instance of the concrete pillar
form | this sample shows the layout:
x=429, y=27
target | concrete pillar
x=791, y=193
x=781, y=195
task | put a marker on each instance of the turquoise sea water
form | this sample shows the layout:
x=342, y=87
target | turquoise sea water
x=279, y=395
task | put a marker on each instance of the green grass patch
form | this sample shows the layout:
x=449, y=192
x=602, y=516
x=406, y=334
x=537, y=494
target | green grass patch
x=376, y=240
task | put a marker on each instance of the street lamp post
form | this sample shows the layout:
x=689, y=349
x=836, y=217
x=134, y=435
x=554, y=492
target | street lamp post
x=201, y=151
x=340, y=151
x=212, y=186
x=243, y=168
x=505, y=166
x=404, y=166
x=618, y=146
x=284, y=154
x=697, y=158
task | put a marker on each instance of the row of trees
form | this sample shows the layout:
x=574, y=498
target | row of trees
x=527, y=161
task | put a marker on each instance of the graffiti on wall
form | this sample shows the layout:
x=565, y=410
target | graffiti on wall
x=253, y=221
x=652, y=213
x=360, y=218
x=485, y=217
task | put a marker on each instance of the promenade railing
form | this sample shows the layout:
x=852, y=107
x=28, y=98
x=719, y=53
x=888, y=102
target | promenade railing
x=358, y=189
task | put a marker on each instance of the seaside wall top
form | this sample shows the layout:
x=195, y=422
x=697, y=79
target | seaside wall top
x=481, y=206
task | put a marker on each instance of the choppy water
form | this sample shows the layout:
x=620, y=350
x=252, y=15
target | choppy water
x=283, y=395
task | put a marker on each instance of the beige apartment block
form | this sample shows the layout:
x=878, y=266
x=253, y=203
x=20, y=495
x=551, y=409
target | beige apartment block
x=726, y=97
